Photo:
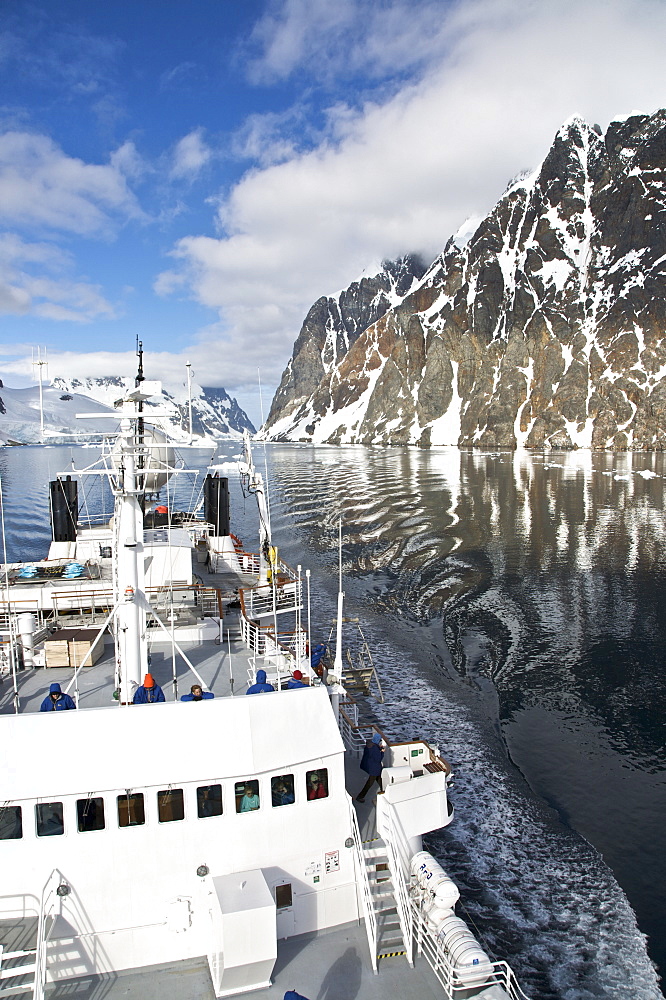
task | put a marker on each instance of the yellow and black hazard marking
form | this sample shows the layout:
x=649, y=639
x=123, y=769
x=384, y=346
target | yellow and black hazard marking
x=391, y=954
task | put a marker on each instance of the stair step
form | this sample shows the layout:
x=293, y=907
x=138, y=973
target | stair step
x=391, y=954
x=375, y=849
x=8, y=991
x=391, y=942
x=15, y=971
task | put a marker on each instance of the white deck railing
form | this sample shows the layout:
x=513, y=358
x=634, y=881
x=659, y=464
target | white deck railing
x=363, y=887
x=260, y=602
x=355, y=736
x=394, y=844
x=456, y=981
x=45, y=927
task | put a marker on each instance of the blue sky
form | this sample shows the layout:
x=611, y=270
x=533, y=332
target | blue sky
x=198, y=172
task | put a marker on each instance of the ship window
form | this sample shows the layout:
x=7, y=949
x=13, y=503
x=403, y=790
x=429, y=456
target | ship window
x=11, y=823
x=170, y=805
x=316, y=783
x=49, y=818
x=209, y=801
x=283, y=898
x=282, y=790
x=90, y=814
x=247, y=796
x=130, y=809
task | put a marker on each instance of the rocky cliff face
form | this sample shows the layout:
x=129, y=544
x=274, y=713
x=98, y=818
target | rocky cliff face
x=333, y=325
x=547, y=330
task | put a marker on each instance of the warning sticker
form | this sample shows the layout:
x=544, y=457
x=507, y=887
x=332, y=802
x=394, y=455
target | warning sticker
x=332, y=861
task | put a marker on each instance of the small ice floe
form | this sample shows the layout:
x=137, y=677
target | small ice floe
x=647, y=474
x=624, y=479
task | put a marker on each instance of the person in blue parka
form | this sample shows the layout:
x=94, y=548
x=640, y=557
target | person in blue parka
x=148, y=692
x=197, y=694
x=371, y=763
x=296, y=680
x=56, y=701
x=260, y=685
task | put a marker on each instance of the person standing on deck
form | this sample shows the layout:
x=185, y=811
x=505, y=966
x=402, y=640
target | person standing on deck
x=371, y=763
x=260, y=685
x=148, y=692
x=296, y=680
x=56, y=701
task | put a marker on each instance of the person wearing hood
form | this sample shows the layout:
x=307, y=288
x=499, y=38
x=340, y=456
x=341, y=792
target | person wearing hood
x=371, y=763
x=197, y=693
x=148, y=692
x=296, y=680
x=56, y=700
x=260, y=684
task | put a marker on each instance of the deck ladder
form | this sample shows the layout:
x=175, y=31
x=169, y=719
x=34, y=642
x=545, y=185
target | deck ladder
x=363, y=887
x=19, y=975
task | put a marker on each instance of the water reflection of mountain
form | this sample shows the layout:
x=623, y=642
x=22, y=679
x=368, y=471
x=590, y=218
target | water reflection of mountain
x=555, y=565
x=548, y=573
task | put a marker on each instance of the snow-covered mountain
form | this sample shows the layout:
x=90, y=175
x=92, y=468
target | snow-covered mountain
x=215, y=415
x=20, y=420
x=546, y=328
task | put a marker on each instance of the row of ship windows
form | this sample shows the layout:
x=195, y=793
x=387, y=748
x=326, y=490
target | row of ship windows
x=90, y=816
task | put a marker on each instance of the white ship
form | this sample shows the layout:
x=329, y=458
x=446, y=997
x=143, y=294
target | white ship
x=207, y=847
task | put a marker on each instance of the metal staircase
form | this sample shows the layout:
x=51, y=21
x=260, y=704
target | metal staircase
x=390, y=938
x=17, y=971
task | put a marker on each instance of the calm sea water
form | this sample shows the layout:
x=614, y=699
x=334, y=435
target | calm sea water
x=513, y=604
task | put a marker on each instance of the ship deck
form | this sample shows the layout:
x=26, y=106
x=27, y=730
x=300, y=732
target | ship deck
x=331, y=965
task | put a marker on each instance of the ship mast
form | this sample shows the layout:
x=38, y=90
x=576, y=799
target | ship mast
x=255, y=484
x=131, y=642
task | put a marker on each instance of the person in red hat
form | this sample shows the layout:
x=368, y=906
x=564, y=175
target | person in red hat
x=148, y=692
x=296, y=680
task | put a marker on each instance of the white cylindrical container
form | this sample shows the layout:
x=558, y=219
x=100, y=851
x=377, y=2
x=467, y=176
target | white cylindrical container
x=471, y=964
x=432, y=877
x=26, y=628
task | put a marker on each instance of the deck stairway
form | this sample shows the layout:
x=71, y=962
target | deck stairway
x=390, y=942
x=18, y=957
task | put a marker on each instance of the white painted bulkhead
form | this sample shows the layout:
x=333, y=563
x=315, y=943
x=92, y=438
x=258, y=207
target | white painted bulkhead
x=135, y=896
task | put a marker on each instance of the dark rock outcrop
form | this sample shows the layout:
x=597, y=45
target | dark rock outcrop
x=545, y=330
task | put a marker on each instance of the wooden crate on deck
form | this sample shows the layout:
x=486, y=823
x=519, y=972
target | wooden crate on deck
x=68, y=647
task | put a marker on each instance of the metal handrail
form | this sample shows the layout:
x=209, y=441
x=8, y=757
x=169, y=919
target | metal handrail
x=401, y=893
x=48, y=901
x=455, y=980
x=363, y=883
x=355, y=736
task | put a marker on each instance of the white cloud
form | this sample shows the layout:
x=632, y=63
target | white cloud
x=263, y=139
x=190, y=155
x=404, y=173
x=347, y=37
x=53, y=293
x=42, y=187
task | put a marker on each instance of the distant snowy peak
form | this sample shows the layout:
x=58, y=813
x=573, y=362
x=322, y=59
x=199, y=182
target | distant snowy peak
x=215, y=414
x=544, y=327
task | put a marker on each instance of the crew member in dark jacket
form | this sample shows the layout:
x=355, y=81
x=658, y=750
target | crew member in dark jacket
x=371, y=763
x=56, y=701
x=260, y=685
x=149, y=692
